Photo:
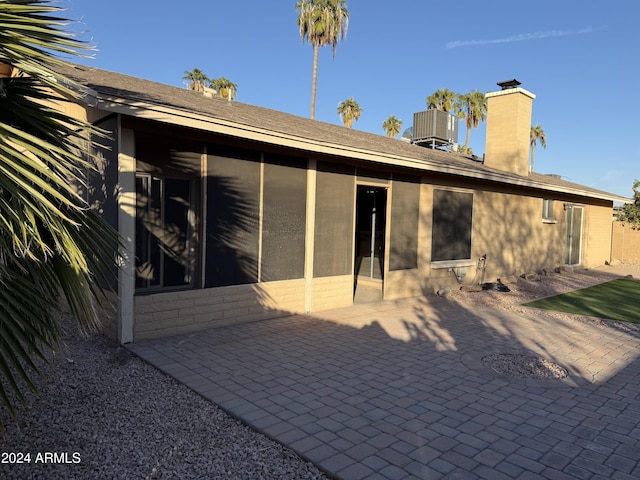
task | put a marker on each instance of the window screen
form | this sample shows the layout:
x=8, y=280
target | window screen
x=165, y=242
x=284, y=218
x=232, y=228
x=452, y=222
x=405, y=210
x=334, y=234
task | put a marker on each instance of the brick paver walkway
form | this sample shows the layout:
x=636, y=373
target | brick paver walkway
x=397, y=390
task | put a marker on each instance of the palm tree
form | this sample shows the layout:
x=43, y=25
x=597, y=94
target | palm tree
x=349, y=112
x=321, y=22
x=392, y=126
x=51, y=242
x=443, y=99
x=225, y=87
x=196, y=79
x=473, y=108
x=537, y=134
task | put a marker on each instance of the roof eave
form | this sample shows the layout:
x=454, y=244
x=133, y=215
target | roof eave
x=183, y=118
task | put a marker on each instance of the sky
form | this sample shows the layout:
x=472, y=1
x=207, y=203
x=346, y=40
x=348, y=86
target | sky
x=580, y=59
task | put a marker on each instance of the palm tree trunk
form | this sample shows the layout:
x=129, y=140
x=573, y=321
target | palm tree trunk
x=316, y=48
x=533, y=149
x=466, y=141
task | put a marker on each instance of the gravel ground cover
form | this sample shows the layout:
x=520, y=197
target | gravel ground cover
x=524, y=291
x=546, y=285
x=105, y=414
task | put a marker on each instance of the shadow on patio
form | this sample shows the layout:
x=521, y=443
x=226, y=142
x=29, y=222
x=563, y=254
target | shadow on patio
x=399, y=388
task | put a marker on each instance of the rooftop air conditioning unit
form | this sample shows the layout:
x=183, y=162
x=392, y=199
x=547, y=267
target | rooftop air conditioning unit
x=435, y=128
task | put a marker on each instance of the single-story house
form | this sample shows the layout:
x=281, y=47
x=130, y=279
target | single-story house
x=233, y=213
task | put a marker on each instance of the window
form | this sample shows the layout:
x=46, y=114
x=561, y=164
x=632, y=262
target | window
x=547, y=210
x=452, y=222
x=165, y=242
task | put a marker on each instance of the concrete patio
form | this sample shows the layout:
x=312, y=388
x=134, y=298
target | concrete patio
x=396, y=390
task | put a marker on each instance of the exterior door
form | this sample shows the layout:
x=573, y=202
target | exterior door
x=575, y=215
x=371, y=205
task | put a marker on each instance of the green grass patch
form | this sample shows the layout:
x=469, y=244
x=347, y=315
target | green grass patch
x=617, y=300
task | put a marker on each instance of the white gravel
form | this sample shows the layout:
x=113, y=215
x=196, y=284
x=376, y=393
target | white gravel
x=117, y=417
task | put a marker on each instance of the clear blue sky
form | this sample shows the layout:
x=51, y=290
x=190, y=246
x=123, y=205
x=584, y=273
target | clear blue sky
x=580, y=59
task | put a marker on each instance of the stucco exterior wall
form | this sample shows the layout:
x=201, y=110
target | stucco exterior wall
x=508, y=228
x=511, y=231
x=508, y=130
x=597, y=236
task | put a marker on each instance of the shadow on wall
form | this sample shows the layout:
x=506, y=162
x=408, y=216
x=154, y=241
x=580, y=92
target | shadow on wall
x=232, y=236
x=509, y=229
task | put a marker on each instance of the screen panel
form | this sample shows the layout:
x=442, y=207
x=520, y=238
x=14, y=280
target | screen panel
x=233, y=202
x=284, y=218
x=452, y=222
x=334, y=229
x=405, y=213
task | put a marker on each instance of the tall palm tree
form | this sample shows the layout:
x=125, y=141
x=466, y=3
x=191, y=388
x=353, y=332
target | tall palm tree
x=321, y=22
x=51, y=243
x=392, y=126
x=196, y=79
x=537, y=135
x=225, y=87
x=473, y=108
x=349, y=112
x=443, y=99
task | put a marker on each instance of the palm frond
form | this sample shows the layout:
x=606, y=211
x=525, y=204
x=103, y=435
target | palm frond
x=51, y=243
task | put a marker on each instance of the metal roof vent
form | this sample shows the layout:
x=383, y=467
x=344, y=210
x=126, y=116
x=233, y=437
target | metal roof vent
x=434, y=128
x=507, y=84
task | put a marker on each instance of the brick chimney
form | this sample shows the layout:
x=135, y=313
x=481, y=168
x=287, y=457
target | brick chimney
x=508, y=128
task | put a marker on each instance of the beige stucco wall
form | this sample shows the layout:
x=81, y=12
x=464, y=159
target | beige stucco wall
x=597, y=235
x=403, y=284
x=625, y=243
x=508, y=228
x=508, y=130
x=511, y=231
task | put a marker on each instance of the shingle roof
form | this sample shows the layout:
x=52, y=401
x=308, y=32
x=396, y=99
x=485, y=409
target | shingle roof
x=314, y=134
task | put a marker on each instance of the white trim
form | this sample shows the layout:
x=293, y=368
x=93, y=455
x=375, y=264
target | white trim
x=127, y=229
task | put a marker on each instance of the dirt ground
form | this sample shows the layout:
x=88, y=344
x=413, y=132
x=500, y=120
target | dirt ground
x=523, y=291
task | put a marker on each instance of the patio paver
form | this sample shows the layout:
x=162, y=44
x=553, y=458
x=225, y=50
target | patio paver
x=398, y=389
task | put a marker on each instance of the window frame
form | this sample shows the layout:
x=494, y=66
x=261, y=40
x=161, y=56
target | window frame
x=547, y=211
x=447, y=263
x=190, y=243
